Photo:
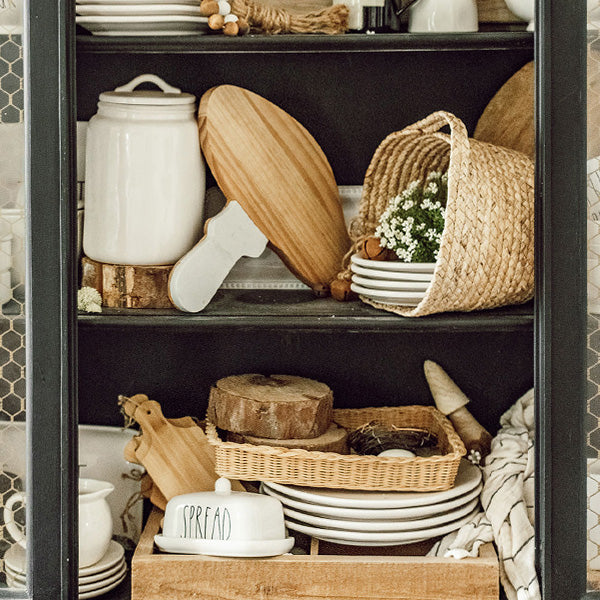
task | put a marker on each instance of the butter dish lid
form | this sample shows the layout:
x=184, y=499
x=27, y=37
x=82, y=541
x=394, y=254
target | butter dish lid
x=127, y=94
x=224, y=523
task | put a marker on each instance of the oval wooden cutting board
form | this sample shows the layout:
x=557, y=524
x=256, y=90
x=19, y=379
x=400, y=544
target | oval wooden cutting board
x=508, y=119
x=271, y=165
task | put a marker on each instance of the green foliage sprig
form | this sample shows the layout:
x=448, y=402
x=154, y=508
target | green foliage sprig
x=413, y=222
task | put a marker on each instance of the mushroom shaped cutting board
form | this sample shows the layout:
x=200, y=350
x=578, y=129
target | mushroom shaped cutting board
x=265, y=160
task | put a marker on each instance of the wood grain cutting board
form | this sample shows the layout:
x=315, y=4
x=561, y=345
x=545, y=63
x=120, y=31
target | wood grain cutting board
x=271, y=165
x=508, y=119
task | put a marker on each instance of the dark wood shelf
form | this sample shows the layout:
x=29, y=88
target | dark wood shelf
x=297, y=43
x=299, y=310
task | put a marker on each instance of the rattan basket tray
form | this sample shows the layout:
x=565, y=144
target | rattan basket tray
x=328, y=469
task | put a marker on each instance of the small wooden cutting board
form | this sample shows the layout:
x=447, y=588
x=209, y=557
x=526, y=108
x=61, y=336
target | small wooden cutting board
x=267, y=161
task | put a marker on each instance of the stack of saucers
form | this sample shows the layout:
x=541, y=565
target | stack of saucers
x=95, y=580
x=391, y=282
x=371, y=518
x=141, y=17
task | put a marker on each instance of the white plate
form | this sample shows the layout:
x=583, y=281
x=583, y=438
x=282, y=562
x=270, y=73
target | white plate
x=377, y=514
x=160, y=25
x=395, y=286
x=373, y=273
x=380, y=538
x=381, y=526
x=387, y=296
x=245, y=549
x=14, y=559
x=467, y=478
x=100, y=457
x=137, y=10
x=393, y=265
x=102, y=590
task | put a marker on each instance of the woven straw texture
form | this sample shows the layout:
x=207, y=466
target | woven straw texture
x=328, y=469
x=486, y=252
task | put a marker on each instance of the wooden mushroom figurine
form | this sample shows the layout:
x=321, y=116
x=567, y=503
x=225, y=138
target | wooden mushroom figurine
x=451, y=401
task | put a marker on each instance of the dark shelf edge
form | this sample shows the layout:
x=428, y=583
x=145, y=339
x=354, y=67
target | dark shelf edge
x=327, y=316
x=298, y=43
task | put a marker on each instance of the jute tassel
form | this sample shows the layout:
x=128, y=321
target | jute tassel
x=330, y=20
x=451, y=401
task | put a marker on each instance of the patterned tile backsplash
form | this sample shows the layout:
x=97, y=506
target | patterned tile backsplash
x=11, y=79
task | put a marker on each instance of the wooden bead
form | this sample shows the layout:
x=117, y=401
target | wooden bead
x=340, y=290
x=243, y=26
x=231, y=28
x=208, y=8
x=215, y=22
x=373, y=250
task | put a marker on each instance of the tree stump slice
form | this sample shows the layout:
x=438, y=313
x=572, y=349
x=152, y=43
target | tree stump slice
x=335, y=439
x=275, y=407
x=128, y=286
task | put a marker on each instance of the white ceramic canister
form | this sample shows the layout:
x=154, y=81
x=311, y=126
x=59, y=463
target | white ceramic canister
x=145, y=176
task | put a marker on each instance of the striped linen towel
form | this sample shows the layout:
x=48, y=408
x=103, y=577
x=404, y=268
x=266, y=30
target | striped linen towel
x=507, y=499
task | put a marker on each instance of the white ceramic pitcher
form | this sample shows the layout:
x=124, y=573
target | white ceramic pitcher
x=95, y=520
x=443, y=16
x=145, y=176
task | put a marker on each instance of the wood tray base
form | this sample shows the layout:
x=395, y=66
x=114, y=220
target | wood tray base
x=314, y=576
x=128, y=286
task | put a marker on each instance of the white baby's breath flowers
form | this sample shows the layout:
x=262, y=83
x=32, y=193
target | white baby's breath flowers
x=413, y=222
x=89, y=300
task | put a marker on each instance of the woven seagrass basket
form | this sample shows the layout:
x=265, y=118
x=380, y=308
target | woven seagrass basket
x=486, y=251
x=354, y=472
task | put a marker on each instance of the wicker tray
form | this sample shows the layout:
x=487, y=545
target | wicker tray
x=328, y=469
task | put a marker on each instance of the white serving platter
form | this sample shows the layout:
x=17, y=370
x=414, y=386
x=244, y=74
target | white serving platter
x=379, y=538
x=374, y=273
x=388, y=296
x=393, y=265
x=137, y=26
x=391, y=526
x=468, y=477
x=137, y=10
x=377, y=514
x=100, y=457
x=394, y=286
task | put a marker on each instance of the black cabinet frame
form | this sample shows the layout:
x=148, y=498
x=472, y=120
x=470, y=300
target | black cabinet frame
x=560, y=307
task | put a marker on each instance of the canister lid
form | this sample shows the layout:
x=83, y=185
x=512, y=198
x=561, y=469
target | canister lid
x=127, y=94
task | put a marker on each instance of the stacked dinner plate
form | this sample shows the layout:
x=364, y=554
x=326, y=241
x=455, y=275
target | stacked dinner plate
x=141, y=17
x=379, y=518
x=95, y=580
x=391, y=282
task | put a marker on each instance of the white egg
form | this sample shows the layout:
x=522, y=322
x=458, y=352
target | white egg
x=397, y=452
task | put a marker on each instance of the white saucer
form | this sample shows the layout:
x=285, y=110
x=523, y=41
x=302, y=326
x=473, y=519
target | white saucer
x=245, y=549
x=380, y=538
x=159, y=25
x=374, y=273
x=393, y=265
x=118, y=576
x=102, y=590
x=389, y=297
x=14, y=559
x=137, y=10
x=395, y=286
x=381, y=526
x=377, y=514
x=100, y=579
x=467, y=478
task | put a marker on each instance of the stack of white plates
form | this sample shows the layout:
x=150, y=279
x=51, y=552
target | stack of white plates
x=379, y=518
x=391, y=282
x=95, y=580
x=141, y=17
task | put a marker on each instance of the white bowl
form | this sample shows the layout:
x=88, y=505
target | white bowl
x=224, y=523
